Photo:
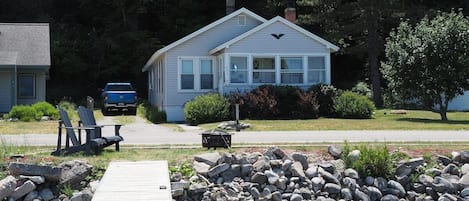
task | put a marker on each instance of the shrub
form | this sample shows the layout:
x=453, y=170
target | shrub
x=151, y=113
x=25, y=113
x=353, y=106
x=373, y=161
x=207, y=108
x=325, y=95
x=46, y=109
x=363, y=88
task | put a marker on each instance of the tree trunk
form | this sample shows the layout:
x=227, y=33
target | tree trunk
x=444, y=109
x=373, y=54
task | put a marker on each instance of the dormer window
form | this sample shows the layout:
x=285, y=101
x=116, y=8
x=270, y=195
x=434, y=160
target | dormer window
x=242, y=20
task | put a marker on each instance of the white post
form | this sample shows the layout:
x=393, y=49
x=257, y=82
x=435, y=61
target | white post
x=237, y=117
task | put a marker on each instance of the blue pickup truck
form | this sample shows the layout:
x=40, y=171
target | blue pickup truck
x=119, y=97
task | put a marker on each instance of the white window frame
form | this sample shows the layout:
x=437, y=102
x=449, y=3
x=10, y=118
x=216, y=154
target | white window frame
x=248, y=69
x=324, y=70
x=196, y=62
x=274, y=70
x=282, y=71
x=33, y=76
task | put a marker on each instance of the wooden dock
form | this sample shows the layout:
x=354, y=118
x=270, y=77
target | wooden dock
x=139, y=181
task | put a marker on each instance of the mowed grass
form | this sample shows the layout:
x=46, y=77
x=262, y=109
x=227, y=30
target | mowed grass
x=382, y=120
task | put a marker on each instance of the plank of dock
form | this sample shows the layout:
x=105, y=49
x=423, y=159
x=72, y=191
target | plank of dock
x=139, y=181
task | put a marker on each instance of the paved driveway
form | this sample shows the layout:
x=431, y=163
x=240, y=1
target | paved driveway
x=142, y=133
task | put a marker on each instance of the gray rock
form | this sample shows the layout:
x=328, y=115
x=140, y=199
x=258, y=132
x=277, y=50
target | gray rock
x=302, y=158
x=287, y=164
x=305, y=193
x=464, y=156
x=177, y=189
x=211, y=159
x=282, y=183
x=255, y=193
x=218, y=169
x=403, y=170
x=201, y=168
x=276, y=163
x=31, y=196
x=198, y=187
x=425, y=180
x=369, y=180
x=266, y=194
x=329, y=167
x=7, y=186
x=328, y=176
x=261, y=165
x=339, y=165
x=433, y=171
x=297, y=170
x=350, y=183
x=50, y=173
x=35, y=179
x=279, y=153
x=381, y=183
x=346, y=194
x=335, y=151
x=46, y=194
x=444, y=159
x=175, y=176
x=353, y=155
x=332, y=188
x=396, y=185
x=390, y=198
x=276, y=196
x=227, y=158
x=418, y=187
x=253, y=157
x=404, y=181
x=317, y=183
x=312, y=172
x=415, y=162
x=465, y=169
x=351, y=173
x=374, y=193
x=429, y=191
x=451, y=169
x=73, y=172
x=24, y=189
x=272, y=177
x=296, y=197
x=259, y=177
x=456, y=156
x=464, y=192
x=442, y=185
x=449, y=197
x=359, y=195
x=246, y=169
x=464, y=181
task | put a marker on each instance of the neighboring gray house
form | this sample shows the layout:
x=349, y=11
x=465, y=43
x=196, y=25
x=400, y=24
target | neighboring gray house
x=237, y=52
x=24, y=63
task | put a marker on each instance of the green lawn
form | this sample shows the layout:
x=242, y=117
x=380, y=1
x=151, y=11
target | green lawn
x=382, y=120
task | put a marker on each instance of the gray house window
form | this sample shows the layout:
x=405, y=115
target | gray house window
x=27, y=86
x=316, y=69
x=292, y=70
x=187, y=74
x=238, y=70
x=206, y=74
x=263, y=71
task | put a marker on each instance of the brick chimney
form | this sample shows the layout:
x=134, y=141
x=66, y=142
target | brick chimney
x=290, y=11
x=230, y=6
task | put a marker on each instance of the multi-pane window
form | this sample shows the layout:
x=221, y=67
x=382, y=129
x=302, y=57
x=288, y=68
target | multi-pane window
x=316, y=70
x=238, y=70
x=27, y=86
x=291, y=70
x=187, y=74
x=206, y=74
x=263, y=70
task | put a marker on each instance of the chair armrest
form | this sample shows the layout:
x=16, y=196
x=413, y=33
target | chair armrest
x=78, y=127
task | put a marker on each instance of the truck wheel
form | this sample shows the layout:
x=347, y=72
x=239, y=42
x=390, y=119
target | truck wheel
x=133, y=112
x=104, y=111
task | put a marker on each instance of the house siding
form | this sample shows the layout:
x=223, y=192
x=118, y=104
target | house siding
x=197, y=46
x=460, y=103
x=6, y=97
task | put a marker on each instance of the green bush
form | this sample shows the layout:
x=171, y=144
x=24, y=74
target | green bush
x=325, y=95
x=363, y=88
x=207, y=108
x=353, y=106
x=25, y=113
x=373, y=161
x=46, y=109
x=152, y=114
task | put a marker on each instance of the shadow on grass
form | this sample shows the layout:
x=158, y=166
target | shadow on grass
x=433, y=121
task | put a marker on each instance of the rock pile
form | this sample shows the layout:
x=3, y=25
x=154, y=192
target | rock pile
x=44, y=183
x=275, y=175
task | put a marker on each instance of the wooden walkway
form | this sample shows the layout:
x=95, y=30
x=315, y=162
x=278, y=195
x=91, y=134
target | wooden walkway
x=139, y=181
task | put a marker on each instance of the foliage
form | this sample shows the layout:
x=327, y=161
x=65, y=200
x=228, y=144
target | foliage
x=207, y=108
x=353, y=106
x=373, y=161
x=67, y=190
x=276, y=102
x=46, y=109
x=325, y=95
x=25, y=113
x=185, y=169
x=151, y=113
x=362, y=88
x=429, y=61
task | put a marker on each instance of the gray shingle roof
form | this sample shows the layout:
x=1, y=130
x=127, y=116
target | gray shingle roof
x=8, y=58
x=31, y=41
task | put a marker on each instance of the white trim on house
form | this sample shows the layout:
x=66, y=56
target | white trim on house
x=278, y=70
x=197, y=72
x=161, y=51
x=329, y=45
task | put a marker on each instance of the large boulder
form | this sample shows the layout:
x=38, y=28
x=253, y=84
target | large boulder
x=52, y=174
x=7, y=186
x=73, y=172
x=209, y=158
